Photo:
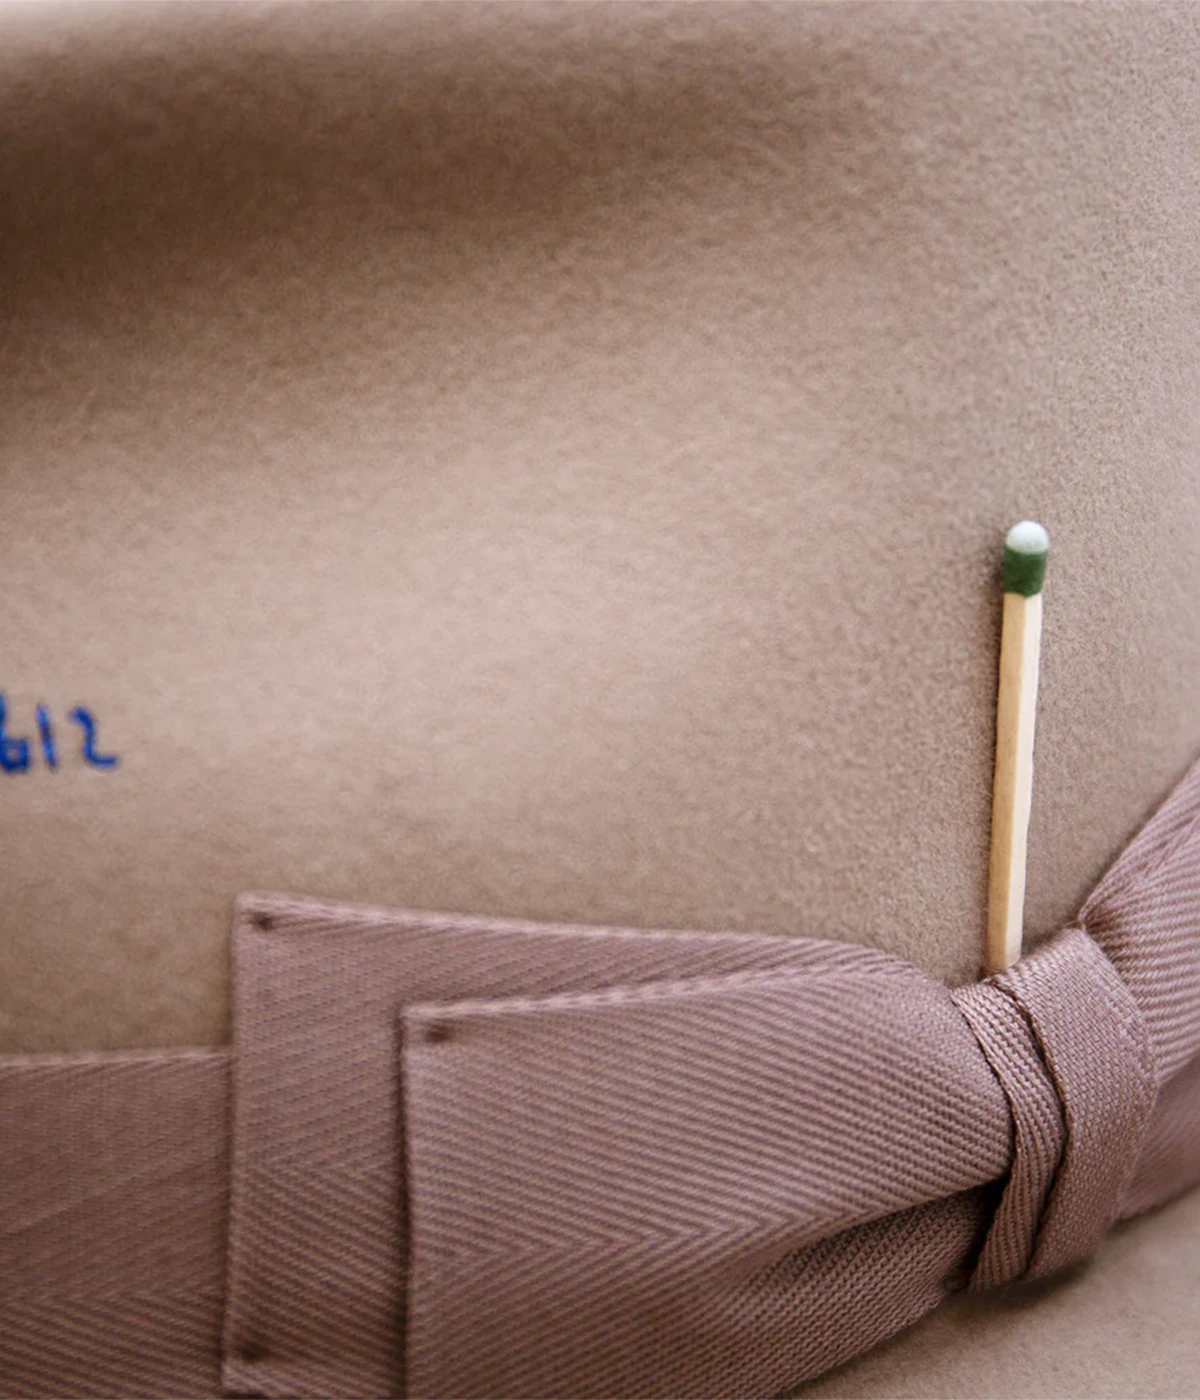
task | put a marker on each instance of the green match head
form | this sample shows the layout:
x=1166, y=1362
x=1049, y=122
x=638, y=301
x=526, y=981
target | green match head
x=1025, y=548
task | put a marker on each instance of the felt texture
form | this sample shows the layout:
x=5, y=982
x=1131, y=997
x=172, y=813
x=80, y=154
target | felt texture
x=491, y=458
x=482, y=458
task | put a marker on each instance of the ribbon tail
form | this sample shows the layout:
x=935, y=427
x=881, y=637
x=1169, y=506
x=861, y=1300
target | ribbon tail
x=717, y=1187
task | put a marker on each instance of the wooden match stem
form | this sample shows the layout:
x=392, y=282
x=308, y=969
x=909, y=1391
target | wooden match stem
x=1012, y=791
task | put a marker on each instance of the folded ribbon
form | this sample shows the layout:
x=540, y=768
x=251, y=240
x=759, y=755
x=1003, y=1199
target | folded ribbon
x=482, y=1157
x=1071, y=1051
x=663, y=1163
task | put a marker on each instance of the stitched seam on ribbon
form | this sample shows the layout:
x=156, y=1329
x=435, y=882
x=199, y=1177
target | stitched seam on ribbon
x=635, y=993
x=297, y=916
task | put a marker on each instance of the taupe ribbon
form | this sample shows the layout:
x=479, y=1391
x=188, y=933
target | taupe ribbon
x=671, y=1163
x=1072, y=1054
x=479, y=1157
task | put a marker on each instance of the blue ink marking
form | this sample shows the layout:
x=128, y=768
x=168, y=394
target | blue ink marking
x=46, y=731
x=14, y=753
x=84, y=719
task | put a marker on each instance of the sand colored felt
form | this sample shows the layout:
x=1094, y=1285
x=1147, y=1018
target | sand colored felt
x=469, y=457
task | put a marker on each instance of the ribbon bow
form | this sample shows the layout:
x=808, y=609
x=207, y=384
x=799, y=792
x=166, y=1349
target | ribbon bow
x=597, y=1162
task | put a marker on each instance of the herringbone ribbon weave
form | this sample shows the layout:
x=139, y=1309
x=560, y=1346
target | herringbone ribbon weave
x=471, y=1157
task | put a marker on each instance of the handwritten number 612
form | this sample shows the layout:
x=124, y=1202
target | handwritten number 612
x=16, y=753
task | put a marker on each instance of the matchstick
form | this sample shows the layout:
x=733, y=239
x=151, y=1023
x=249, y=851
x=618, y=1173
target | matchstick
x=1025, y=550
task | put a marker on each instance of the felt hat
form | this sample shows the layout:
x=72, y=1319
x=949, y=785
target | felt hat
x=549, y=461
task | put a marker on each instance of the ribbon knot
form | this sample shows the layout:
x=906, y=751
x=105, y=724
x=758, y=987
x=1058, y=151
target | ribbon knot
x=555, y=1160
x=1068, y=1044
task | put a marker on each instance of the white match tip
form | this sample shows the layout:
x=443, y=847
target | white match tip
x=1028, y=537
